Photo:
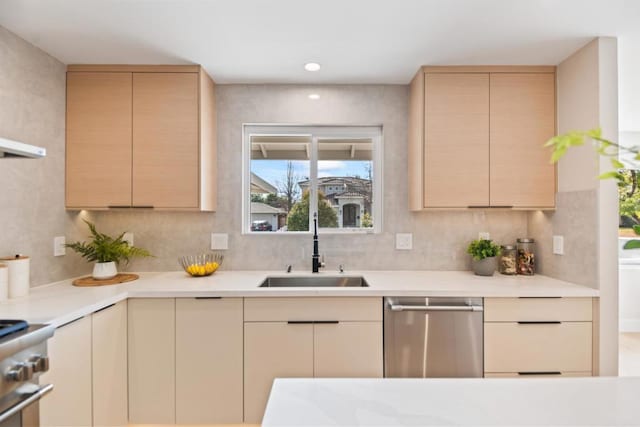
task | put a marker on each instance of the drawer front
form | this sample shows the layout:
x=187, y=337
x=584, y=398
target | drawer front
x=536, y=374
x=536, y=309
x=558, y=347
x=309, y=309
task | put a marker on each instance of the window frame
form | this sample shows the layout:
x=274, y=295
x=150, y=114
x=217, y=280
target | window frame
x=316, y=132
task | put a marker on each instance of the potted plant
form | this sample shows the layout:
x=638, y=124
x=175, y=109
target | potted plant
x=107, y=252
x=484, y=253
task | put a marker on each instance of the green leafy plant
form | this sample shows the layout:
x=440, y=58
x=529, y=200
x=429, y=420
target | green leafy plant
x=483, y=248
x=104, y=248
x=298, y=219
x=560, y=144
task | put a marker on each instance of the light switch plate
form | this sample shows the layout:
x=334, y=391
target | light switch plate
x=219, y=241
x=128, y=237
x=484, y=235
x=404, y=241
x=558, y=245
x=59, y=248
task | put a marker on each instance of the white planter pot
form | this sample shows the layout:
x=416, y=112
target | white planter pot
x=104, y=270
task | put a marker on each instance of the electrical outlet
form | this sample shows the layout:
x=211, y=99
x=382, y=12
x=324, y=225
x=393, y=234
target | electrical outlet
x=59, y=248
x=404, y=241
x=219, y=241
x=558, y=245
x=128, y=237
x=484, y=235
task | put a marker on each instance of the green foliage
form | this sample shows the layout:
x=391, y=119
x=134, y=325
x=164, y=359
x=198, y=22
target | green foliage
x=104, y=248
x=298, y=219
x=629, y=194
x=367, y=220
x=483, y=248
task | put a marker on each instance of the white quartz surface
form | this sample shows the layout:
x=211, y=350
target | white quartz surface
x=596, y=401
x=61, y=302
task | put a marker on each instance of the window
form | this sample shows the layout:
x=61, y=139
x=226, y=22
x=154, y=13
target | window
x=291, y=172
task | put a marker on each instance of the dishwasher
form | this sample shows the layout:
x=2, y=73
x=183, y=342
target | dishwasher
x=433, y=337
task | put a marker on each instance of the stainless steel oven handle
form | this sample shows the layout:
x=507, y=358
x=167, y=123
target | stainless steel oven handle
x=31, y=398
x=400, y=307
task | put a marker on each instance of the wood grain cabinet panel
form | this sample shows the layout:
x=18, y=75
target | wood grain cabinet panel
x=456, y=145
x=165, y=140
x=522, y=119
x=109, y=355
x=348, y=350
x=152, y=361
x=98, y=141
x=209, y=353
x=70, y=402
x=141, y=137
x=273, y=350
x=538, y=347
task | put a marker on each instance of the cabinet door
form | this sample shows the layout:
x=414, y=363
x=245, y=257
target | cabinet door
x=165, y=140
x=348, y=349
x=110, y=366
x=69, y=351
x=98, y=149
x=273, y=350
x=152, y=360
x=209, y=361
x=456, y=138
x=522, y=120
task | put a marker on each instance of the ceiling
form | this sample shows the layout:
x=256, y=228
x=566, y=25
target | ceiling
x=356, y=41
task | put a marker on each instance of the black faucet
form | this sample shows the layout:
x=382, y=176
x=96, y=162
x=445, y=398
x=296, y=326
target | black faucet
x=316, y=264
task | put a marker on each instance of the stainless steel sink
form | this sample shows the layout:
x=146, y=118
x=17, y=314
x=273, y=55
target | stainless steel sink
x=315, y=282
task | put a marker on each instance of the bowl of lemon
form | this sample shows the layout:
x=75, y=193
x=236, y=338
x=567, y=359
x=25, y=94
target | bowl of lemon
x=201, y=265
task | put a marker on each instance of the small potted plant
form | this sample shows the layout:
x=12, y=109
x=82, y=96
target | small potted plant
x=484, y=253
x=107, y=252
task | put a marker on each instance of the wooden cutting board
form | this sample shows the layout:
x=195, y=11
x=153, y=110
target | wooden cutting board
x=120, y=278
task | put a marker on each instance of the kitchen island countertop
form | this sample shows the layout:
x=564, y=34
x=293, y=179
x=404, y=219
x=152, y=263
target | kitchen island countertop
x=61, y=302
x=596, y=401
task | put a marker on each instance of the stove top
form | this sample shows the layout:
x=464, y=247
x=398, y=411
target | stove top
x=8, y=327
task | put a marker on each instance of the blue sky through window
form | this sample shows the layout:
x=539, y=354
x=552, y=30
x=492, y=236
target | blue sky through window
x=274, y=171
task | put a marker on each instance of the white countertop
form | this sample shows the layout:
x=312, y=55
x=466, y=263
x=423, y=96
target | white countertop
x=595, y=401
x=60, y=302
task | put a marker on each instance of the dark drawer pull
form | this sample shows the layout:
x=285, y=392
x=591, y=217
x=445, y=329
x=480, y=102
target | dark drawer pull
x=142, y=207
x=540, y=322
x=313, y=322
x=119, y=207
x=539, y=297
x=478, y=206
x=104, y=308
x=501, y=207
x=541, y=373
x=208, y=297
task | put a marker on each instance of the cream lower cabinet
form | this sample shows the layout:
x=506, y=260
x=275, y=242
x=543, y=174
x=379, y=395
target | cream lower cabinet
x=528, y=337
x=152, y=361
x=209, y=361
x=109, y=368
x=69, y=351
x=308, y=337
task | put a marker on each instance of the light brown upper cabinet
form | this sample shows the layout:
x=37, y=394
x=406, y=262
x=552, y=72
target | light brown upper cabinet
x=476, y=137
x=140, y=137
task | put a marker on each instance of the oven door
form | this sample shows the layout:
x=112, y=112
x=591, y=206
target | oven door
x=20, y=407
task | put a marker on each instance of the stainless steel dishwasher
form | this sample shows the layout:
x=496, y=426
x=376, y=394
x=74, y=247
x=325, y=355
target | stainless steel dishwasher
x=433, y=337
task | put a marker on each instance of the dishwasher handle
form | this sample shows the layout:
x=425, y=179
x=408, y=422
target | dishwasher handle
x=400, y=307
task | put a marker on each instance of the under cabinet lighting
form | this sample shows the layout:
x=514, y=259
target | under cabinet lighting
x=312, y=66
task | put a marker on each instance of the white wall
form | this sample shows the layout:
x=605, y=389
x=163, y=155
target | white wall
x=587, y=208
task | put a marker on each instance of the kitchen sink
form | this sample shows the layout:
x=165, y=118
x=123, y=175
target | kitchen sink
x=315, y=282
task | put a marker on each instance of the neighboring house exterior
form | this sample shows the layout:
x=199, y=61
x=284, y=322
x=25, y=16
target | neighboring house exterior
x=349, y=196
x=263, y=212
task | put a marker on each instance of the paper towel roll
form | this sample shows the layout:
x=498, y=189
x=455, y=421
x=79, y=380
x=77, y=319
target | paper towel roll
x=4, y=282
x=18, y=267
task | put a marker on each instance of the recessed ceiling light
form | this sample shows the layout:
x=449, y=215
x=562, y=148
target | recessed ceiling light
x=314, y=96
x=312, y=66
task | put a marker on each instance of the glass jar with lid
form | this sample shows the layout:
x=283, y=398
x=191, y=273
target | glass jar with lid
x=526, y=257
x=508, y=259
